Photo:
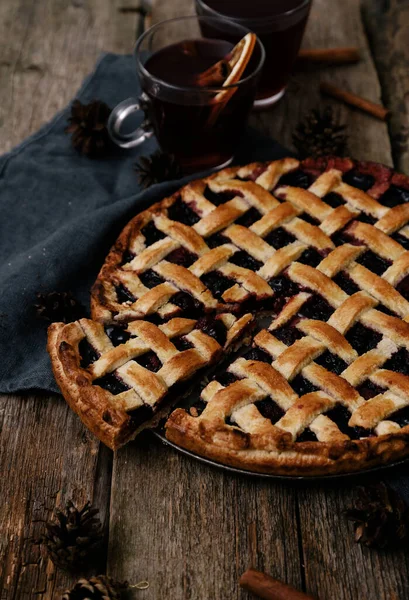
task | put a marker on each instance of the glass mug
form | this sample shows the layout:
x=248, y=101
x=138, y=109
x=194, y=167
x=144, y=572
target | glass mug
x=279, y=24
x=186, y=118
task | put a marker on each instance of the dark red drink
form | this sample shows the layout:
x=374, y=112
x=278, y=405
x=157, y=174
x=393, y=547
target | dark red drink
x=182, y=112
x=280, y=26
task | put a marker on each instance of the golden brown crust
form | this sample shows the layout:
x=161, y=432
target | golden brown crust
x=307, y=216
x=111, y=416
x=251, y=453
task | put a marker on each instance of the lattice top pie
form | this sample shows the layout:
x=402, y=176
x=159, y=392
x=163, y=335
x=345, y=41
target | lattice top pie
x=318, y=246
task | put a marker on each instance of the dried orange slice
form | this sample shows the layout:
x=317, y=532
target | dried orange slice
x=234, y=65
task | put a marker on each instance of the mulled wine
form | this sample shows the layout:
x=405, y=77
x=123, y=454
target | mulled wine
x=280, y=26
x=196, y=92
x=189, y=124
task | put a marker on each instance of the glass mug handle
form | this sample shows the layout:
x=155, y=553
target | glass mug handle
x=117, y=118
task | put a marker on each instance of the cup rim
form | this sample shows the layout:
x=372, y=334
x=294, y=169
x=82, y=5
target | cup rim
x=252, y=20
x=196, y=89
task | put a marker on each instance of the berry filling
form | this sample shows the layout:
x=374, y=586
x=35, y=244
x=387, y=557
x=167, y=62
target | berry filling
x=270, y=410
x=218, y=198
x=278, y=238
x=187, y=303
x=213, y=327
x=317, y=308
x=225, y=378
x=331, y=362
x=117, y=334
x=288, y=334
x=150, y=279
x=403, y=287
x=401, y=417
x=123, y=294
x=363, y=339
x=310, y=219
x=249, y=217
x=151, y=234
x=373, y=262
x=112, y=384
x=307, y=436
x=181, y=257
x=258, y=354
x=150, y=361
x=302, y=386
x=368, y=390
x=340, y=415
x=88, y=354
x=216, y=283
x=341, y=237
x=346, y=283
x=140, y=415
x=181, y=212
x=393, y=196
x=402, y=240
x=359, y=180
x=284, y=286
x=216, y=240
x=333, y=199
x=310, y=257
x=127, y=256
x=296, y=178
x=365, y=218
x=197, y=408
x=182, y=343
x=385, y=310
x=398, y=362
x=243, y=259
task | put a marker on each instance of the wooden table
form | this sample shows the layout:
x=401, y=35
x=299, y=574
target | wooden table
x=189, y=529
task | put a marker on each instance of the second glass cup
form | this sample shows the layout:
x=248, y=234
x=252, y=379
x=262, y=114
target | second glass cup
x=279, y=24
x=190, y=121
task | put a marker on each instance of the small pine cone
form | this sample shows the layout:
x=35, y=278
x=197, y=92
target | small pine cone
x=88, y=128
x=320, y=134
x=381, y=517
x=58, y=307
x=99, y=587
x=156, y=168
x=73, y=541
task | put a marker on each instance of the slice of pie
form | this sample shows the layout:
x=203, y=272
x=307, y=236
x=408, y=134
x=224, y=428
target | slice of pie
x=122, y=379
x=322, y=248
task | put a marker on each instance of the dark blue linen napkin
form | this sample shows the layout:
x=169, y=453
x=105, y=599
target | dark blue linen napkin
x=60, y=214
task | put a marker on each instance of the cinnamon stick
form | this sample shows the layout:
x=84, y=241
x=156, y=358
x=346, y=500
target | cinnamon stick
x=214, y=75
x=332, y=56
x=376, y=110
x=267, y=588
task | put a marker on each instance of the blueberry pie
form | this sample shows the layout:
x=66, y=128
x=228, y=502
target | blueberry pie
x=319, y=248
x=122, y=379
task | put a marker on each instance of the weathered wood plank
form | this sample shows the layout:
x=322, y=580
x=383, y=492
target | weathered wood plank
x=337, y=567
x=46, y=457
x=388, y=28
x=339, y=26
x=46, y=50
x=191, y=530
x=333, y=566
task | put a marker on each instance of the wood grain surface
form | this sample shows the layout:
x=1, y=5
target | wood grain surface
x=190, y=529
x=388, y=29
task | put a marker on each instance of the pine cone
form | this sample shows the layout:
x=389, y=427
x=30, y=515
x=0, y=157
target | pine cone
x=156, y=168
x=88, y=126
x=58, y=306
x=320, y=134
x=380, y=516
x=74, y=541
x=99, y=587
